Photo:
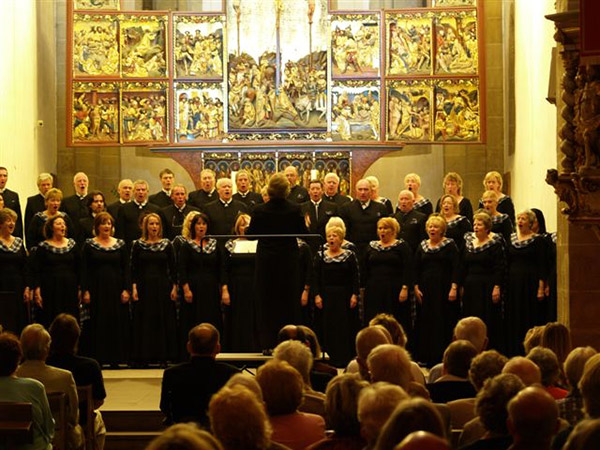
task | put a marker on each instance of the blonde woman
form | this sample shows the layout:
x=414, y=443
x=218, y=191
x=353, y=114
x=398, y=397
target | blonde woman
x=412, y=182
x=493, y=182
x=35, y=232
x=456, y=225
x=501, y=223
x=453, y=185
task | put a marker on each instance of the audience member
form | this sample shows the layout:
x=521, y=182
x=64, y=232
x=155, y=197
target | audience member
x=454, y=384
x=366, y=340
x=570, y=408
x=532, y=419
x=11, y=201
x=585, y=436
x=162, y=198
x=187, y=387
x=282, y=389
x=341, y=406
x=533, y=338
x=390, y=363
x=185, y=436
x=411, y=415
x=248, y=381
x=37, y=203
x=25, y=390
x=557, y=338
x=546, y=360
x=525, y=369
x=35, y=342
x=207, y=192
x=422, y=440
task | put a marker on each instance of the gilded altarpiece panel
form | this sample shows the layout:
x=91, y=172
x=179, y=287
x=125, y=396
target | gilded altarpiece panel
x=355, y=49
x=302, y=161
x=223, y=164
x=457, y=112
x=261, y=167
x=144, y=46
x=336, y=162
x=355, y=110
x=199, y=111
x=95, y=113
x=105, y=5
x=409, y=110
x=95, y=45
x=456, y=43
x=452, y=3
x=143, y=113
x=409, y=48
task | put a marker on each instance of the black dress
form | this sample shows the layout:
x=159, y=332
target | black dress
x=105, y=274
x=424, y=206
x=336, y=280
x=502, y=225
x=505, y=206
x=526, y=267
x=153, y=272
x=14, y=279
x=456, y=230
x=387, y=203
x=387, y=269
x=35, y=232
x=464, y=208
x=239, y=277
x=201, y=268
x=482, y=268
x=56, y=273
x=436, y=268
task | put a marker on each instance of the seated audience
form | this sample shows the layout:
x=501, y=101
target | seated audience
x=35, y=342
x=341, y=404
x=547, y=361
x=184, y=436
x=411, y=415
x=366, y=340
x=488, y=430
x=25, y=390
x=422, y=440
x=486, y=365
x=557, y=338
x=248, y=381
x=532, y=419
x=239, y=420
x=283, y=391
x=533, y=338
x=187, y=387
x=570, y=408
x=585, y=436
x=390, y=363
x=453, y=384
x=525, y=369
x=376, y=403
x=471, y=329
x=65, y=332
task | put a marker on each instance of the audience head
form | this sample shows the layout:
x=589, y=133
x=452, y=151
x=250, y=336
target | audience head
x=238, y=419
x=532, y=417
x=575, y=363
x=282, y=387
x=557, y=338
x=589, y=386
x=547, y=361
x=140, y=191
x=125, y=188
x=44, y=182
x=458, y=357
x=493, y=398
x=415, y=414
x=186, y=230
x=103, y=218
x=525, y=369
x=10, y=354
x=279, y=186
x=203, y=340
x=207, y=180
x=167, y=178
x=341, y=404
x=151, y=226
x=585, y=436
x=55, y=225
x=390, y=323
x=452, y=184
x=390, y=363
x=366, y=340
x=422, y=440
x=64, y=332
x=486, y=365
x=184, y=436
x=298, y=355
x=474, y=330
x=35, y=342
x=533, y=338
x=376, y=403
x=249, y=382
x=199, y=225
x=312, y=341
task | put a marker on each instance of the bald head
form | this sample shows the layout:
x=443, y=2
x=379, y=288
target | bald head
x=474, y=330
x=422, y=440
x=203, y=340
x=525, y=369
x=532, y=416
x=35, y=342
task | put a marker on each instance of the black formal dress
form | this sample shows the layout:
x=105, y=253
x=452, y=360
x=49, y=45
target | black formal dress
x=298, y=194
x=114, y=209
x=505, y=206
x=86, y=230
x=387, y=269
x=11, y=201
x=35, y=204
x=412, y=227
x=154, y=326
x=436, y=268
x=456, y=230
x=482, y=268
x=128, y=225
x=388, y=205
x=202, y=269
x=277, y=267
x=105, y=274
x=318, y=214
x=35, y=232
x=338, y=199
x=239, y=277
x=464, y=208
x=200, y=198
x=188, y=387
x=161, y=199
x=502, y=225
x=526, y=267
x=336, y=280
x=76, y=208
x=250, y=199
x=223, y=215
x=172, y=219
x=424, y=206
x=15, y=277
x=56, y=272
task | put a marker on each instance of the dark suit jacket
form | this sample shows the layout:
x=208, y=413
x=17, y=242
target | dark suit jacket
x=11, y=200
x=298, y=194
x=114, y=208
x=200, y=198
x=160, y=199
x=338, y=199
x=76, y=209
x=412, y=228
x=222, y=219
x=86, y=230
x=188, y=387
x=128, y=226
x=251, y=199
x=173, y=220
x=35, y=204
x=317, y=224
